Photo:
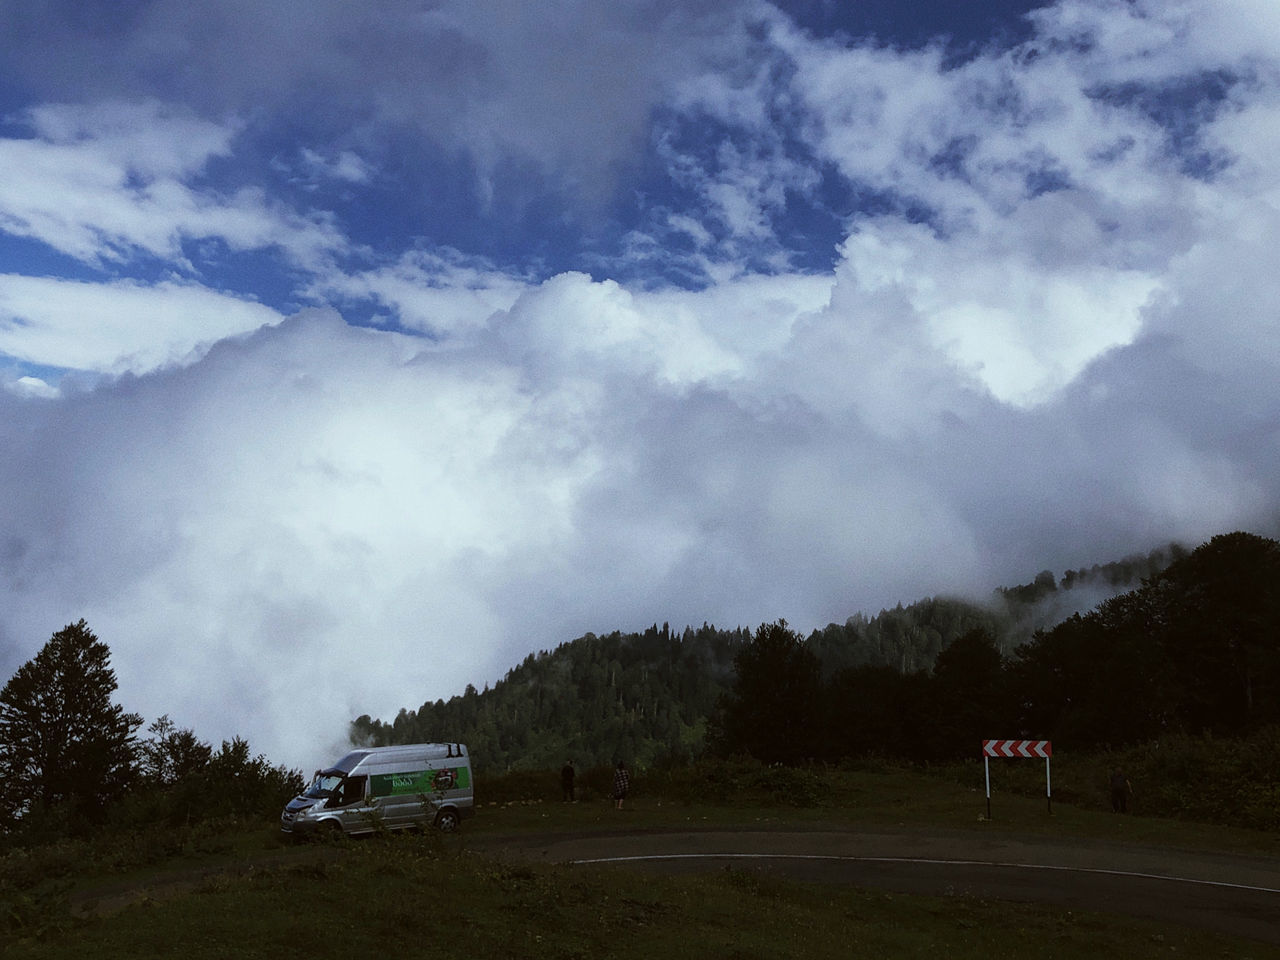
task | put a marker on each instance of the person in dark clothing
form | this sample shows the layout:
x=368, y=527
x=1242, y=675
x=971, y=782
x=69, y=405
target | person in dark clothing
x=621, y=784
x=566, y=781
x=1121, y=789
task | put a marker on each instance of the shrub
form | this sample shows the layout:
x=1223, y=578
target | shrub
x=1231, y=782
x=740, y=780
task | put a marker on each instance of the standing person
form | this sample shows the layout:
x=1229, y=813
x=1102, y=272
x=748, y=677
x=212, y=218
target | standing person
x=566, y=781
x=1121, y=789
x=621, y=783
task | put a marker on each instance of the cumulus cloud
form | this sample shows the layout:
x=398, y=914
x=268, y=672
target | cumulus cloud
x=1041, y=197
x=245, y=530
x=320, y=521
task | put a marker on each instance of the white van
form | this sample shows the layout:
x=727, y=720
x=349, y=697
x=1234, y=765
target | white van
x=388, y=788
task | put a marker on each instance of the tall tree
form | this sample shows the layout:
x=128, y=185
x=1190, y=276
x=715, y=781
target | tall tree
x=773, y=709
x=63, y=743
x=968, y=703
x=1221, y=608
x=877, y=711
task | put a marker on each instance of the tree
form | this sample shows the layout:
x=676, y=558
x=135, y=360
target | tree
x=171, y=755
x=968, y=702
x=876, y=711
x=237, y=784
x=64, y=746
x=1221, y=620
x=776, y=700
x=1193, y=650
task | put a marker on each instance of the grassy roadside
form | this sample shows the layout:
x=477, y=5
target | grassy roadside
x=885, y=798
x=244, y=892
x=405, y=895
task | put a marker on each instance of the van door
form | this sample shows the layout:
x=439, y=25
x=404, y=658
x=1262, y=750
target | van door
x=403, y=799
x=349, y=799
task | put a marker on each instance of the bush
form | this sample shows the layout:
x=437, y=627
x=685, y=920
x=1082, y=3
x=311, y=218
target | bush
x=740, y=780
x=1206, y=779
x=1230, y=782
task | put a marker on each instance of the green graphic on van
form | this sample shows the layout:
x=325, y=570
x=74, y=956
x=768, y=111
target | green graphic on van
x=419, y=782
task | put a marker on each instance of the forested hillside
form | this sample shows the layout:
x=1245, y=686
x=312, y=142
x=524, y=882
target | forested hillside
x=1194, y=652
x=640, y=696
x=653, y=695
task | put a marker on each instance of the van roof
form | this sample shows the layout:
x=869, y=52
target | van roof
x=405, y=751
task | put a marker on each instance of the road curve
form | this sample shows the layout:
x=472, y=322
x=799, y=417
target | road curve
x=1225, y=893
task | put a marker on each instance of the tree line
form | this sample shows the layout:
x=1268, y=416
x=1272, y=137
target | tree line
x=658, y=695
x=1191, y=650
x=640, y=696
x=71, y=759
x=1195, y=650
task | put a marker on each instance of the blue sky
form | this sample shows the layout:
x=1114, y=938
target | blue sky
x=474, y=326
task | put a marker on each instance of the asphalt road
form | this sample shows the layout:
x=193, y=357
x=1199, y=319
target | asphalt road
x=1225, y=893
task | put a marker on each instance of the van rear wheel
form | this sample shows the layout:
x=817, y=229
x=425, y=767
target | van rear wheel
x=447, y=821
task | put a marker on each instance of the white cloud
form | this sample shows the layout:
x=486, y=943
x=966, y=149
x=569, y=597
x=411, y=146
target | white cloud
x=1025, y=331
x=346, y=166
x=1156, y=40
x=438, y=292
x=319, y=521
x=109, y=181
x=1055, y=213
x=117, y=327
x=250, y=528
x=32, y=387
x=571, y=323
x=682, y=338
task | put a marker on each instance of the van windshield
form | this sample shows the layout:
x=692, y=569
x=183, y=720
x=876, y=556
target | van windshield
x=324, y=785
x=349, y=762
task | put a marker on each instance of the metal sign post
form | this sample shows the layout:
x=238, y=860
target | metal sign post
x=986, y=766
x=1014, y=749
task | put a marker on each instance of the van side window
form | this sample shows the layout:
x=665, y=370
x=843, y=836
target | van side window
x=352, y=791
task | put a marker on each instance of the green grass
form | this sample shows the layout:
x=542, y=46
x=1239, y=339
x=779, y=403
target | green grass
x=856, y=799
x=407, y=897
x=424, y=894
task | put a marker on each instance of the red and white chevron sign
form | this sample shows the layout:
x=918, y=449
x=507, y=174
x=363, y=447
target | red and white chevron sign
x=1017, y=748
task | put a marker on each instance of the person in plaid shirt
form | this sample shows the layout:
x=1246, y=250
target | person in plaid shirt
x=621, y=781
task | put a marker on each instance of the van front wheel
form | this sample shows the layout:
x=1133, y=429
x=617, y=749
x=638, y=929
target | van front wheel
x=447, y=821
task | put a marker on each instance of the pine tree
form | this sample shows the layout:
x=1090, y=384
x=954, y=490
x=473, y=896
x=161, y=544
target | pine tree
x=771, y=712
x=64, y=746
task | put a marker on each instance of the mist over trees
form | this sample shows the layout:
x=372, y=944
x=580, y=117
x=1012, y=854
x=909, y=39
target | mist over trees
x=900, y=683
x=1194, y=650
